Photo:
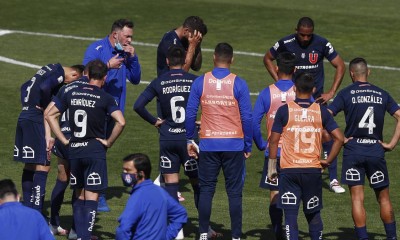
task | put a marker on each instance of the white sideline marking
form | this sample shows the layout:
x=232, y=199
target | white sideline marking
x=6, y=31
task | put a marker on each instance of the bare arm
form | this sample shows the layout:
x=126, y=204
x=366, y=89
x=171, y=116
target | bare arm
x=338, y=140
x=117, y=130
x=395, y=138
x=270, y=66
x=194, y=40
x=51, y=116
x=338, y=64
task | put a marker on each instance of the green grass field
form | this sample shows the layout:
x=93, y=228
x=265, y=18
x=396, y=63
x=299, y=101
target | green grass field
x=355, y=28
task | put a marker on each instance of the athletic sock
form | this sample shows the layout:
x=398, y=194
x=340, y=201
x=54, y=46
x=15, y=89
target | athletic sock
x=315, y=225
x=27, y=184
x=291, y=227
x=73, y=200
x=39, y=189
x=79, y=218
x=90, y=212
x=361, y=233
x=196, y=191
x=57, y=198
x=276, y=215
x=172, y=189
x=390, y=229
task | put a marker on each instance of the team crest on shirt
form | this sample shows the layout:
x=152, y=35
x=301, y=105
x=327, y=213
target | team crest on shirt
x=313, y=58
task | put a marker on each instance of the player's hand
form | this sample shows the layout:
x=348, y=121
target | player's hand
x=195, y=38
x=247, y=155
x=272, y=172
x=104, y=142
x=386, y=146
x=115, y=62
x=324, y=163
x=159, y=122
x=325, y=97
x=130, y=50
x=347, y=139
x=49, y=145
x=193, y=149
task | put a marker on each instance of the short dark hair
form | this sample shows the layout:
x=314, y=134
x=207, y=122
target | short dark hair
x=7, y=187
x=97, y=70
x=141, y=162
x=176, y=55
x=195, y=23
x=305, y=22
x=304, y=83
x=79, y=68
x=358, y=66
x=223, y=52
x=121, y=23
x=286, y=62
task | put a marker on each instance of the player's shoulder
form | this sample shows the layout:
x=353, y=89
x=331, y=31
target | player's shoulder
x=319, y=40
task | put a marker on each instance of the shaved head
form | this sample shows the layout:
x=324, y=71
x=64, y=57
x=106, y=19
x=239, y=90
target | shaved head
x=359, y=67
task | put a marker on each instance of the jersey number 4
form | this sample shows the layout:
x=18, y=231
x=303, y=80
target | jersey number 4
x=368, y=116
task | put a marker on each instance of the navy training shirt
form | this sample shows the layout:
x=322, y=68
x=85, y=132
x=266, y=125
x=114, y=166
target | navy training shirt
x=364, y=106
x=88, y=107
x=172, y=92
x=309, y=59
x=37, y=92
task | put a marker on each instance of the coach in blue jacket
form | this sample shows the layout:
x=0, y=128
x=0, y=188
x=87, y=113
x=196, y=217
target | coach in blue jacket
x=150, y=213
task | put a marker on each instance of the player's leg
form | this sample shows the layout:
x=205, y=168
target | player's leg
x=332, y=169
x=39, y=185
x=386, y=212
x=209, y=167
x=27, y=184
x=358, y=211
x=379, y=180
x=275, y=213
x=289, y=201
x=234, y=168
x=169, y=166
x=57, y=196
x=311, y=185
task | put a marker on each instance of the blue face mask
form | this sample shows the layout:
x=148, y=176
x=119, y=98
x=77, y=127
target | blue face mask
x=129, y=180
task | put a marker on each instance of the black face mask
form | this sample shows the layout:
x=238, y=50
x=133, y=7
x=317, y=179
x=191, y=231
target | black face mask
x=129, y=180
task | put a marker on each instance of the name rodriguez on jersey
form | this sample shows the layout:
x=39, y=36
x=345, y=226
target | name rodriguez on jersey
x=175, y=89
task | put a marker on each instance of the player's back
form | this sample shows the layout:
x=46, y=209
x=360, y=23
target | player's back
x=36, y=93
x=173, y=89
x=365, y=106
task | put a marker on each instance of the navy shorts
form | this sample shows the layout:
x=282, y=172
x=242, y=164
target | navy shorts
x=356, y=167
x=60, y=150
x=173, y=154
x=296, y=187
x=233, y=165
x=88, y=173
x=30, y=143
x=264, y=182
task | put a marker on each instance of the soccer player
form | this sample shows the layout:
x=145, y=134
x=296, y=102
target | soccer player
x=61, y=151
x=18, y=221
x=33, y=141
x=299, y=125
x=88, y=106
x=172, y=92
x=225, y=136
x=310, y=50
x=150, y=213
x=364, y=106
x=268, y=102
x=116, y=51
x=189, y=36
